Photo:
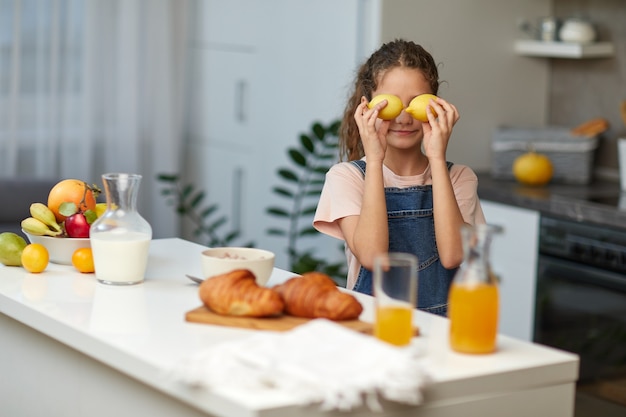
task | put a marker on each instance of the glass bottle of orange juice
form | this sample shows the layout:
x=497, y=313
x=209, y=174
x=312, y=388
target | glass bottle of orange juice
x=473, y=302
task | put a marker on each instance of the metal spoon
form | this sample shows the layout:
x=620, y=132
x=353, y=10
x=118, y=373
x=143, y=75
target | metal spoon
x=195, y=279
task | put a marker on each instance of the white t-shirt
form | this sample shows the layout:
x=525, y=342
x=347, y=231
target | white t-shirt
x=342, y=196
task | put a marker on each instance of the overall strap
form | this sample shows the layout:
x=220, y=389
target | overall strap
x=360, y=165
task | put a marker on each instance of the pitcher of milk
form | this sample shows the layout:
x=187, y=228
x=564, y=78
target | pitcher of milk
x=120, y=238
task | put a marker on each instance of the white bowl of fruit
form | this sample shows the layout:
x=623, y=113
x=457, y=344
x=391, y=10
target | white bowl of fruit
x=60, y=249
x=62, y=225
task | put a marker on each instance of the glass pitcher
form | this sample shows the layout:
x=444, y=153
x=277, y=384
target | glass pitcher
x=473, y=302
x=120, y=238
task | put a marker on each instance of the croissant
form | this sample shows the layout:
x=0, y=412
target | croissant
x=591, y=127
x=315, y=295
x=237, y=293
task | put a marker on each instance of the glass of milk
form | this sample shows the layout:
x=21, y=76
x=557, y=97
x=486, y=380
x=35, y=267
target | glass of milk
x=120, y=238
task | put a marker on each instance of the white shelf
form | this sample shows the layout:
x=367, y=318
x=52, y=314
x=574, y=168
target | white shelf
x=564, y=49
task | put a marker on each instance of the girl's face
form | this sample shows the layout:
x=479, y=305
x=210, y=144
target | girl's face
x=407, y=83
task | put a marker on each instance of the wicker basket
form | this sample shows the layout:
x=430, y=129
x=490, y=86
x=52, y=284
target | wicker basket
x=571, y=156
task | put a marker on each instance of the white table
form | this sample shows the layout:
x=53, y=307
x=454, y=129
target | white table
x=72, y=347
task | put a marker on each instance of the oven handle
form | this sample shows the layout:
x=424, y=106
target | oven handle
x=578, y=272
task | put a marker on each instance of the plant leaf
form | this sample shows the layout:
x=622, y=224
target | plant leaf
x=167, y=177
x=307, y=143
x=68, y=208
x=197, y=199
x=308, y=211
x=278, y=212
x=188, y=189
x=208, y=211
x=288, y=175
x=308, y=231
x=297, y=157
x=319, y=131
x=283, y=192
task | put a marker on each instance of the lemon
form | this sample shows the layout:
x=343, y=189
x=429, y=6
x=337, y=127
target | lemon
x=533, y=168
x=100, y=209
x=391, y=110
x=35, y=258
x=11, y=247
x=417, y=107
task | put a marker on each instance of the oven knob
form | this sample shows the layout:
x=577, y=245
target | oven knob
x=577, y=249
x=596, y=254
x=610, y=256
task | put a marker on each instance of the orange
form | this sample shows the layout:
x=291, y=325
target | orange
x=35, y=258
x=533, y=168
x=71, y=191
x=82, y=259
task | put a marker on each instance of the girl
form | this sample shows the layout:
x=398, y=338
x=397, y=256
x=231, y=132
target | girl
x=398, y=193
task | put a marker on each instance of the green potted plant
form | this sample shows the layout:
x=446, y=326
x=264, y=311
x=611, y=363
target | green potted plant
x=300, y=187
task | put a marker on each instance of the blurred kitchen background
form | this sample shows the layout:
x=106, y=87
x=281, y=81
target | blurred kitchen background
x=216, y=92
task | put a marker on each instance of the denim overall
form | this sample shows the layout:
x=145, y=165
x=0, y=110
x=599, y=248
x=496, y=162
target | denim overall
x=412, y=230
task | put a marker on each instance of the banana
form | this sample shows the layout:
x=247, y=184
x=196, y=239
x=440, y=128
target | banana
x=42, y=213
x=37, y=227
x=591, y=127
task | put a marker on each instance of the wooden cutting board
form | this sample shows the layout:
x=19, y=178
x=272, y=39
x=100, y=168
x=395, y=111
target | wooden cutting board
x=281, y=323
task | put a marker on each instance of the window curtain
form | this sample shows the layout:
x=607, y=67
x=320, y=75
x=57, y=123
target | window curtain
x=94, y=86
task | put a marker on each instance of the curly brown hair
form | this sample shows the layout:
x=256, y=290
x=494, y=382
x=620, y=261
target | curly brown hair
x=398, y=53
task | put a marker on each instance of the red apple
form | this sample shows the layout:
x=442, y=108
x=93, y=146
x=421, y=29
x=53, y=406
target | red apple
x=77, y=226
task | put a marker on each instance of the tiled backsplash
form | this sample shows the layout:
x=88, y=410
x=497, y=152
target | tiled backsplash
x=588, y=88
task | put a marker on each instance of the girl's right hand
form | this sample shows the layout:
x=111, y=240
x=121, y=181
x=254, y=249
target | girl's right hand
x=373, y=130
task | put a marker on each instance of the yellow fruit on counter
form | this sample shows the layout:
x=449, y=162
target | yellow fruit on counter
x=391, y=110
x=35, y=258
x=533, y=168
x=417, y=107
x=82, y=259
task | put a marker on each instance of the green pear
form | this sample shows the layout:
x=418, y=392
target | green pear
x=11, y=248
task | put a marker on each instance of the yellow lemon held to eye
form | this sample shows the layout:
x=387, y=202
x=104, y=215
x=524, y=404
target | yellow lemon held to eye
x=533, y=169
x=417, y=107
x=391, y=110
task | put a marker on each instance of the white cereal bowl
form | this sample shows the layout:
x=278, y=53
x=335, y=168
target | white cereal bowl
x=60, y=249
x=217, y=261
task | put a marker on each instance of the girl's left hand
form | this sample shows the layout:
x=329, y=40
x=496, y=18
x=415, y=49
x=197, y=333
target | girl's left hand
x=438, y=130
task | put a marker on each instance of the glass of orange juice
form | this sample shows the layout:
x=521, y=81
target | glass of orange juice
x=395, y=295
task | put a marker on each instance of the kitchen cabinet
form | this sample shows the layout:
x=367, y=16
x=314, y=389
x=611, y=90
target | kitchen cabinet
x=227, y=180
x=514, y=256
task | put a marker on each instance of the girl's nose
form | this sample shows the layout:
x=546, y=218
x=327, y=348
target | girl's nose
x=404, y=117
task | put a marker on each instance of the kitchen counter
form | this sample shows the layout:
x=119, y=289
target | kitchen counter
x=600, y=202
x=73, y=347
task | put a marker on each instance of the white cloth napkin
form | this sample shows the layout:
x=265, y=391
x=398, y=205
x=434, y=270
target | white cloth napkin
x=318, y=362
